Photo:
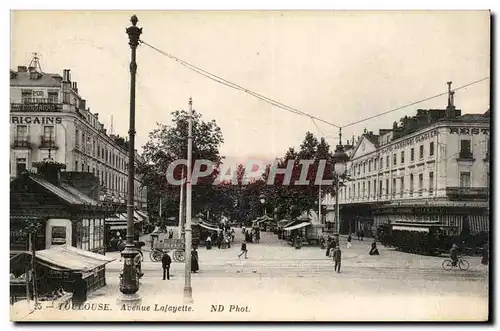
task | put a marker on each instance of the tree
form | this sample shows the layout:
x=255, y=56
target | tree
x=168, y=143
x=291, y=200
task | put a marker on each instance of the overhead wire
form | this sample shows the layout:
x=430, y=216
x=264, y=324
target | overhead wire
x=413, y=103
x=236, y=86
x=278, y=104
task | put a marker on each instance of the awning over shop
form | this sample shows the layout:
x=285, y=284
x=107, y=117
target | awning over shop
x=121, y=219
x=410, y=228
x=297, y=226
x=66, y=257
x=143, y=214
x=207, y=226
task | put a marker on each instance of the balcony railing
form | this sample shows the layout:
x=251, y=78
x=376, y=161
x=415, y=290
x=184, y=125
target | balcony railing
x=465, y=155
x=467, y=192
x=48, y=143
x=21, y=142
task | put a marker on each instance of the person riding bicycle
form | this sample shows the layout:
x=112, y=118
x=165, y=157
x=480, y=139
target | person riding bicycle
x=454, y=255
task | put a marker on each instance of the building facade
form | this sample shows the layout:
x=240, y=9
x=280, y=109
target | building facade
x=433, y=168
x=49, y=119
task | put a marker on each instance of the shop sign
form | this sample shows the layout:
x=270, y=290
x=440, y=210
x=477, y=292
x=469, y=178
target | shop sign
x=413, y=210
x=35, y=119
x=35, y=107
x=410, y=141
x=470, y=131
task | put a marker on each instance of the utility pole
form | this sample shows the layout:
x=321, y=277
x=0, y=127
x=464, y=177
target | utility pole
x=181, y=209
x=188, y=290
x=319, y=204
x=129, y=283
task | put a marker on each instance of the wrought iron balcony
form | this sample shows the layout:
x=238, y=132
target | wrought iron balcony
x=465, y=156
x=459, y=193
x=21, y=142
x=48, y=143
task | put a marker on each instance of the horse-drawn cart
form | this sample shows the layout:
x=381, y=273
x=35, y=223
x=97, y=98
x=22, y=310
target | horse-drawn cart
x=176, y=246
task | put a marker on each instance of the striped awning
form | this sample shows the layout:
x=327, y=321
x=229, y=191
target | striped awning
x=297, y=226
x=479, y=223
x=410, y=228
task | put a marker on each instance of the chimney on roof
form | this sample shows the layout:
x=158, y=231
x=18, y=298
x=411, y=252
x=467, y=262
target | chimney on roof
x=31, y=69
x=83, y=104
x=22, y=69
x=96, y=115
x=66, y=75
x=450, y=109
x=75, y=87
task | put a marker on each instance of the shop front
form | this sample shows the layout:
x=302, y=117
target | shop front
x=454, y=217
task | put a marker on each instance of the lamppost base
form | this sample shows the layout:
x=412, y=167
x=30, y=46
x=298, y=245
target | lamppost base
x=188, y=295
x=129, y=300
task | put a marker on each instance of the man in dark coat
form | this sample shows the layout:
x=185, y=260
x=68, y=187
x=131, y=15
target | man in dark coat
x=374, y=249
x=454, y=255
x=485, y=257
x=337, y=258
x=166, y=261
x=194, y=261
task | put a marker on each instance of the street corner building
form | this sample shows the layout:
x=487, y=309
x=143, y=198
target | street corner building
x=68, y=186
x=430, y=171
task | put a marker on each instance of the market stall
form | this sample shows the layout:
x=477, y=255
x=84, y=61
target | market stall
x=59, y=266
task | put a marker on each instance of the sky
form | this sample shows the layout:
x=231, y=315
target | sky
x=340, y=66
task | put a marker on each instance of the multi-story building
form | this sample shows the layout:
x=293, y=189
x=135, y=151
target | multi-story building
x=434, y=167
x=49, y=119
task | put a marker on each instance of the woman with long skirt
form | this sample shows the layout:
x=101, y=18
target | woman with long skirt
x=194, y=261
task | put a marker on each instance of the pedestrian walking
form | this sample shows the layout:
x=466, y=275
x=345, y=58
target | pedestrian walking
x=166, y=261
x=359, y=234
x=362, y=234
x=349, y=238
x=194, y=261
x=374, y=249
x=485, y=258
x=219, y=240
x=208, y=242
x=337, y=258
x=243, y=251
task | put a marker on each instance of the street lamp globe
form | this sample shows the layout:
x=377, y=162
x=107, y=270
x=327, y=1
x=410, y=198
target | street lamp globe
x=262, y=199
x=340, y=158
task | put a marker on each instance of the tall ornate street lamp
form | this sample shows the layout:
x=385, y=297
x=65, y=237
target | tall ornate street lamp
x=339, y=158
x=129, y=283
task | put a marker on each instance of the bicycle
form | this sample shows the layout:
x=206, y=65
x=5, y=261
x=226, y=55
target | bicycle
x=461, y=263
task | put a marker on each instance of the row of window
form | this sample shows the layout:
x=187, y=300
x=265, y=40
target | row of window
x=368, y=189
x=97, y=150
x=361, y=168
x=21, y=134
